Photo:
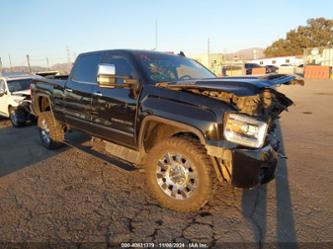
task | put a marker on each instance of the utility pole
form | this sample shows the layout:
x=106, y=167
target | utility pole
x=156, y=34
x=208, y=46
x=28, y=63
x=10, y=63
x=69, y=61
x=0, y=67
x=208, y=52
x=74, y=56
x=47, y=64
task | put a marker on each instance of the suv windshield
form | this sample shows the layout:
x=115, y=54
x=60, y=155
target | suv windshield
x=18, y=85
x=165, y=68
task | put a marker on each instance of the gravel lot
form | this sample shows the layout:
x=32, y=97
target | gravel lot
x=70, y=196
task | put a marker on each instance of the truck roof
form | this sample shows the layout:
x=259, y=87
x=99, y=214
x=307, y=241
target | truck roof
x=128, y=51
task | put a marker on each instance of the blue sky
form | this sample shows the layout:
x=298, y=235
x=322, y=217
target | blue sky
x=43, y=28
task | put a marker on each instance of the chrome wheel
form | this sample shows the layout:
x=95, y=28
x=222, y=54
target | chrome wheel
x=177, y=176
x=45, y=132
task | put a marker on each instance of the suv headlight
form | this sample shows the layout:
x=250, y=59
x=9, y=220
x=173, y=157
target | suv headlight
x=244, y=130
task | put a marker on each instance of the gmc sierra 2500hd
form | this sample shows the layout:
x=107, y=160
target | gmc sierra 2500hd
x=188, y=128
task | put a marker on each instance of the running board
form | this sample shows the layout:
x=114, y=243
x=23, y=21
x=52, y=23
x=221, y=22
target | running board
x=125, y=166
x=124, y=153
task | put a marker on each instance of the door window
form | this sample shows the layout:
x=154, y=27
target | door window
x=85, y=69
x=124, y=69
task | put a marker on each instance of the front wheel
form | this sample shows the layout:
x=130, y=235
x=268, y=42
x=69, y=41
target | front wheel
x=17, y=118
x=51, y=133
x=179, y=175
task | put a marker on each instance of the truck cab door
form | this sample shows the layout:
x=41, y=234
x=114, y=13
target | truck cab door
x=78, y=91
x=114, y=108
x=4, y=95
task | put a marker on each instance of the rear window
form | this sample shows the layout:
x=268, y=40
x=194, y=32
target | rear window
x=85, y=68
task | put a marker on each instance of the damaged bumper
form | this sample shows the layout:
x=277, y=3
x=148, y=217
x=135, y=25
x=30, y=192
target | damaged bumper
x=253, y=167
x=246, y=168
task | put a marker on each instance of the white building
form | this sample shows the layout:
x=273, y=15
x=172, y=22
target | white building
x=294, y=60
x=213, y=61
x=322, y=57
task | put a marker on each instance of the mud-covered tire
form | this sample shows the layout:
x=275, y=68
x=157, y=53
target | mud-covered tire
x=51, y=133
x=193, y=153
x=16, y=118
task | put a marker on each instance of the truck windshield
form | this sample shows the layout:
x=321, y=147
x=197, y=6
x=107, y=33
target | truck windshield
x=166, y=68
x=18, y=85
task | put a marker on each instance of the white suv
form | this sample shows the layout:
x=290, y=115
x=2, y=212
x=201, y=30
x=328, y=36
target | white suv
x=15, y=99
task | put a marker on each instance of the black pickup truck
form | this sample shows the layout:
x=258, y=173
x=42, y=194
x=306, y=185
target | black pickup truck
x=171, y=115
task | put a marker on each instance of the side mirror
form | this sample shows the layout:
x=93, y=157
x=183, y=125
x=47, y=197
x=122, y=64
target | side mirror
x=2, y=92
x=106, y=75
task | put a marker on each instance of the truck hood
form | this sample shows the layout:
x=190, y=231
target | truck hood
x=22, y=93
x=240, y=86
x=251, y=95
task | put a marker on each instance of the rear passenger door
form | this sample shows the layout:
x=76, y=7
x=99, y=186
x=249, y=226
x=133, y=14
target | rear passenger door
x=114, y=109
x=78, y=91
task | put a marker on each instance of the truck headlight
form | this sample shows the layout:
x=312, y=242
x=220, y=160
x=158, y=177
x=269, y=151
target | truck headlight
x=244, y=130
x=17, y=101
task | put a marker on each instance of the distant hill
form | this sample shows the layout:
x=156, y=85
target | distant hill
x=245, y=54
x=61, y=67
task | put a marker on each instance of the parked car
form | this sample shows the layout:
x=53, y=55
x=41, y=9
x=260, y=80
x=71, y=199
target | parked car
x=233, y=70
x=15, y=101
x=300, y=69
x=271, y=69
x=286, y=65
x=170, y=115
x=249, y=67
x=286, y=69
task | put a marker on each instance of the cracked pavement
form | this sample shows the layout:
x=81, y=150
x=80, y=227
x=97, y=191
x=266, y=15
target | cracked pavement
x=70, y=196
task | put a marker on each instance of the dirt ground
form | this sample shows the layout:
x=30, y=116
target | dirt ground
x=70, y=196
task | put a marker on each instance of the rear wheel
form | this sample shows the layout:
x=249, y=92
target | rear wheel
x=179, y=174
x=16, y=117
x=50, y=131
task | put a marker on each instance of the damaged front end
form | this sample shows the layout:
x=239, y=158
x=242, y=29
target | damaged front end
x=266, y=105
x=23, y=110
x=251, y=129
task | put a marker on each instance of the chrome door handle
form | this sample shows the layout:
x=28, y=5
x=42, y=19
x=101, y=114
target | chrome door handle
x=68, y=90
x=97, y=94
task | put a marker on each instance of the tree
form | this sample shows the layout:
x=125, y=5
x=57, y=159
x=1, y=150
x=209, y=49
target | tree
x=317, y=33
